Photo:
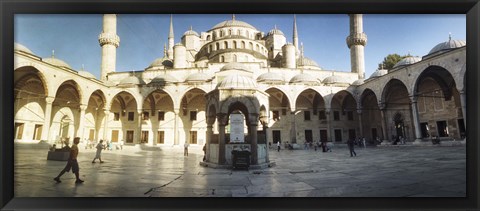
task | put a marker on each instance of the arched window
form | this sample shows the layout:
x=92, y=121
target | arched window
x=222, y=59
x=221, y=33
x=230, y=32
x=214, y=35
x=234, y=44
x=210, y=48
x=234, y=58
x=243, y=45
x=239, y=32
x=257, y=47
x=225, y=44
x=217, y=46
x=251, y=46
x=208, y=37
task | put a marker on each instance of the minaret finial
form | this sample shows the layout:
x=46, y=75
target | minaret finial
x=233, y=17
x=191, y=28
x=53, y=53
x=275, y=26
x=449, y=36
x=295, y=34
x=83, y=67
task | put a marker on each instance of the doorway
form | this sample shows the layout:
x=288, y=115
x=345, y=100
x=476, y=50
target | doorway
x=276, y=136
x=323, y=135
x=338, y=135
x=308, y=136
x=130, y=136
x=144, y=138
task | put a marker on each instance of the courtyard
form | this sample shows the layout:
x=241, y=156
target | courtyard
x=387, y=171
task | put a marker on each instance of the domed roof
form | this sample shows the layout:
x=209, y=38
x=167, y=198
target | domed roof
x=275, y=31
x=164, y=78
x=20, y=47
x=303, y=78
x=235, y=66
x=270, y=77
x=231, y=23
x=132, y=80
x=191, y=32
x=237, y=81
x=379, y=73
x=407, y=61
x=200, y=77
x=450, y=44
x=56, y=62
x=304, y=61
x=358, y=82
x=86, y=74
x=161, y=62
x=335, y=79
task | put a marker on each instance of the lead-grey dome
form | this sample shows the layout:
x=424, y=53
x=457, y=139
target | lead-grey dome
x=448, y=45
x=86, y=74
x=335, y=79
x=379, y=73
x=270, y=77
x=198, y=77
x=20, y=47
x=131, y=80
x=275, y=31
x=407, y=61
x=161, y=62
x=235, y=66
x=167, y=78
x=56, y=62
x=191, y=32
x=237, y=81
x=231, y=23
x=304, y=78
x=358, y=82
x=306, y=62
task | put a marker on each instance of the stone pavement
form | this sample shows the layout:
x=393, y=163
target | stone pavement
x=404, y=171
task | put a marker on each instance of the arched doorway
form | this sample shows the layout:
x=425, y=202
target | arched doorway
x=397, y=111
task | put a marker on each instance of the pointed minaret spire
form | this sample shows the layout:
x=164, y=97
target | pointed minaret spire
x=449, y=36
x=233, y=17
x=171, y=39
x=295, y=34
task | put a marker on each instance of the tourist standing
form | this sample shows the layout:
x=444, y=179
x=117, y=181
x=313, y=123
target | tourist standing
x=185, y=148
x=351, y=145
x=278, y=146
x=364, y=142
x=72, y=163
x=99, y=147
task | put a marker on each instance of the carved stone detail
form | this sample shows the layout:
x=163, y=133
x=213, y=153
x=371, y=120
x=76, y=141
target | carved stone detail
x=357, y=39
x=108, y=38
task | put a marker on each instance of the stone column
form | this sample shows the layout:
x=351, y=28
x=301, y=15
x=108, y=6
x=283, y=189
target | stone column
x=139, y=125
x=293, y=134
x=221, y=137
x=360, y=123
x=81, y=122
x=176, y=120
x=253, y=138
x=209, y=140
x=329, y=125
x=384, y=123
x=105, y=124
x=265, y=130
x=463, y=102
x=48, y=114
x=416, y=124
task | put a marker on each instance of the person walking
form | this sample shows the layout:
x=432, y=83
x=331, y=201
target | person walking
x=278, y=146
x=351, y=145
x=72, y=163
x=364, y=142
x=99, y=147
x=185, y=148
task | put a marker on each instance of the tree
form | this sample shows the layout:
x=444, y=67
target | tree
x=390, y=60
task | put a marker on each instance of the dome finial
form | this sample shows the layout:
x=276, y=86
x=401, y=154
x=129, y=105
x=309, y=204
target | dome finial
x=275, y=26
x=83, y=67
x=233, y=17
x=53, y=54
x=449, y=36
x=191, y=28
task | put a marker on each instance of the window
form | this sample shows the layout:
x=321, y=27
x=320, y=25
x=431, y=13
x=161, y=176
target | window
x=129, y=136
x=114, y=136
x=322, y=115
x=131, y=115
x=306, y=114
x=161, y=137
x=217, y=46
x=234, y=44
x=350, y=115
x=208, y=37
x=161, y=116
x=210, y=48
x=222, y=59
x=193, y=137
x=276, y=115
x=336, y=115
x=225, y=44
x=243, y=45
x=145, y=115
x=116, y=116
x=193, y=115
x=234, y=58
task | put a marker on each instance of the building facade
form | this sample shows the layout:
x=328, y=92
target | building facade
x=188, y=94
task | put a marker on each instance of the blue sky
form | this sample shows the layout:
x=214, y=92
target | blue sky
x=75, y=37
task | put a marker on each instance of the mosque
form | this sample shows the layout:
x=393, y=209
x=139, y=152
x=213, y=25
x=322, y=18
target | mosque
x=234, y=86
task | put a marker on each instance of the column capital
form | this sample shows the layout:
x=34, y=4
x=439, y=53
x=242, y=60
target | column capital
x=83, y=107
x=413, y=98
x=49, y=99
x=106, y=111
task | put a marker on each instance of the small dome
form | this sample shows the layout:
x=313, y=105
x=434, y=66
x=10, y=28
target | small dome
x=164, y=79
x=198, y=77
x=275, y=31
x=335, y=79
x=231, y=23
x=450, y=44
x=161, y=62
x=270, y=77
x=358, y=82
x=304, y=61
x=191, y=32
x=237, y=81
x=20, y=47
x=407, y=61
x=235, y=66
x=131, y=80
x=86, y=74
x=304, y=78
x=56, y=62
x=379, y=73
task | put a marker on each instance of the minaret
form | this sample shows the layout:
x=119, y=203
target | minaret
x=171, y=41
x=356, y=41
x=295, y=34
x=109, y=41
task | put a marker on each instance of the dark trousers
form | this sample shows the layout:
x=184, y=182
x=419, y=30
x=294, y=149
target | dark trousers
x=278, y=149
x=352, y=151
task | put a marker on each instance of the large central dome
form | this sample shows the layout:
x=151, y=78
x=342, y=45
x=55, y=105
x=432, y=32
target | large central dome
x=231, y=23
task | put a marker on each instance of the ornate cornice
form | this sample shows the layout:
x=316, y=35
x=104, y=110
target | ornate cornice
x=108, y=38
x=357, y=39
